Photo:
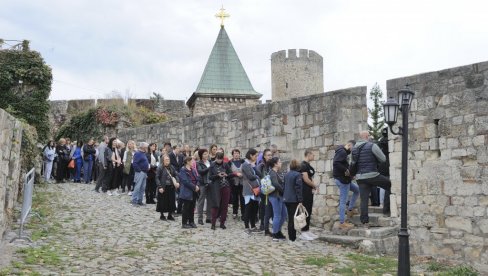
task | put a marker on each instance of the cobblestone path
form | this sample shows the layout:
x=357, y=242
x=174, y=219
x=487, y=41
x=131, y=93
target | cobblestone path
x=100, y=234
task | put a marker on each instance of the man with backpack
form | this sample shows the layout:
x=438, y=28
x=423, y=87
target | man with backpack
x=364, y=166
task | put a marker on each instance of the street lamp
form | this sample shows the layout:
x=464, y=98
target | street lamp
x=391, y=107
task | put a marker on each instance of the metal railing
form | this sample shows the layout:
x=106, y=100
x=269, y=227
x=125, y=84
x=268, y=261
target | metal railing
x=28, y=192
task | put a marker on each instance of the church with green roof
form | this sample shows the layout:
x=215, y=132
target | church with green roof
x=224, y=84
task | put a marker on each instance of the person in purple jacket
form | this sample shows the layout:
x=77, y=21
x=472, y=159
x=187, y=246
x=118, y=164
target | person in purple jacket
x=141, y=166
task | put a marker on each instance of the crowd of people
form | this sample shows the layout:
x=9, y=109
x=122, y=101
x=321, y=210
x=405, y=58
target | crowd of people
x=181, y=181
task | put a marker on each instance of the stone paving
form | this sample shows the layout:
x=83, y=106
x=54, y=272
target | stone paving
x=101, y=234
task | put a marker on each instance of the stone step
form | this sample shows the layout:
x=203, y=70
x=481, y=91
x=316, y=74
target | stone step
x=386, y=245
x=374, y=232
x=375, y=210
x=375, y=220
x=348, y=241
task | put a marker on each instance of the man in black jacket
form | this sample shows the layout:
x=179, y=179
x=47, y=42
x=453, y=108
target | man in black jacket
x=344, y=182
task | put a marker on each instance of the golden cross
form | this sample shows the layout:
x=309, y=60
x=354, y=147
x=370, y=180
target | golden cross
x=222, y=15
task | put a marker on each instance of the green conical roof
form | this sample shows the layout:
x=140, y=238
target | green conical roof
x=224, y=73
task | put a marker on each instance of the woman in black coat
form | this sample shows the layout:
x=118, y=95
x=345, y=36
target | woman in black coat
x=166, y=188
x=219, y=189
x=151, y=174
x=62, y=153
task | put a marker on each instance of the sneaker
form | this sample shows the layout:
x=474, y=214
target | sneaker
x=170, y=217
x=162, y=218
x=304, y=237
x=212, y=227
x=254, y=230
x=267, y=233
x=346, y=226
x=135, y=205
x=365, y=225
x=115, y=193
x=223, y=226
x=96, y=191
x=193, y=225
x=186, y=226
x=129, y=193
x=281, y=236
x=311, y=235
x=109, y=193
x=351, y=213
x=275, y=237
x=200, y=221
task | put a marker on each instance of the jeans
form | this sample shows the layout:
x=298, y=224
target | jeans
x=344, y=194
x=48, y=166
x=279, y=213
x=291, y=207
x=365, y=186
x=87, y=170
x=201, y=202
x=224, y=205
x=140, y=186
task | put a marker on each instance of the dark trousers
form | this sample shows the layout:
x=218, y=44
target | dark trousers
x=365, y=186
x=107, y=178
x=61, y=170
x=128, y=180
x=291, y=208
x=100, y=176
x=187, y=211
x=237, y=200
x=250, y=213
x=224, y=206
x=150, y=190
x=375, y=196
x=308, y=204
x=180, y=205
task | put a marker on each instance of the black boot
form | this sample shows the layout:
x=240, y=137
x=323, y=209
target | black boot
x=162, y=217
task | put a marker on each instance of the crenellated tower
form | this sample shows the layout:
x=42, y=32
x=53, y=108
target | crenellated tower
x=296, y=74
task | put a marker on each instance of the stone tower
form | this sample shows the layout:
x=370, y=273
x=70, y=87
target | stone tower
x=295, y=75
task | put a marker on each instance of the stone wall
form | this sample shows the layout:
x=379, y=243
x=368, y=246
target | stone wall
x=448, y=163
x=204, y=105
x=296, y=76
x=319, y=122
x=10, y=141
x=173, y=108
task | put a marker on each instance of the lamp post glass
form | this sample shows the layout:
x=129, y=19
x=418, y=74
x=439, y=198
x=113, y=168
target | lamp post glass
x=390, y=108
x=405, y=96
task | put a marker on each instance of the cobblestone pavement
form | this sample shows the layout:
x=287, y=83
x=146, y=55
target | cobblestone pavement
x=105, y=235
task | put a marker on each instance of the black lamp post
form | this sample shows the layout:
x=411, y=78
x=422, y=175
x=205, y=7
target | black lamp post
x=391, y=107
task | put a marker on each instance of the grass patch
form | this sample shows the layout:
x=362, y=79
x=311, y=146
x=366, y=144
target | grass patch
x=445, y=270
x=132, y=253
x=320, y=261
x=367, y=265
x=151, y=245
x=41, y=255
x=6, y=271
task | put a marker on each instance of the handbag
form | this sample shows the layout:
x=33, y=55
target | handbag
x=175, y=183
x=71, y=164
x=300, y=218
x=266, y=185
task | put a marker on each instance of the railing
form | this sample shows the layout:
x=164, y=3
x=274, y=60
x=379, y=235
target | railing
x=26, y=203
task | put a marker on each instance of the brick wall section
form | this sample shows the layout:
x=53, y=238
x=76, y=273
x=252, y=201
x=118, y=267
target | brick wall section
x=10, y=141
x=448, y=163
x=319, y=122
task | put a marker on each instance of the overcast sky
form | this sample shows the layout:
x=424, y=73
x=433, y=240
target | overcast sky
x=138, y=47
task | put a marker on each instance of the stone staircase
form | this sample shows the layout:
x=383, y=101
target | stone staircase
x=380, y=238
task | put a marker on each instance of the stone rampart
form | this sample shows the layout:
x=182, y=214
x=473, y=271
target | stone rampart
x=447, y=164
x=319, y=122
x=10, y=141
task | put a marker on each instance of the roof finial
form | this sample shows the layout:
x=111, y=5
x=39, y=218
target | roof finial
x=222, y=15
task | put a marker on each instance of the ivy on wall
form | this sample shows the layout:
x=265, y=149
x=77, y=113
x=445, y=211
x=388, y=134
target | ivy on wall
x=94, y=122
x=25, y=85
